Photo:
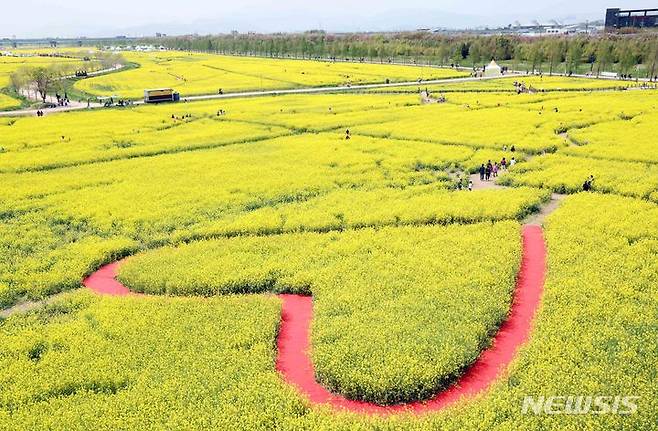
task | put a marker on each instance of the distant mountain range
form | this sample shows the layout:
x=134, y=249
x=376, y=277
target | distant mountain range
x=333, y=21
x=392, y=20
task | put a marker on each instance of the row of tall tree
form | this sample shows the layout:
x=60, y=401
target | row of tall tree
x=623, y=53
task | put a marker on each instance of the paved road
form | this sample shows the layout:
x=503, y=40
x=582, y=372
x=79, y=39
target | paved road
x=308, y=90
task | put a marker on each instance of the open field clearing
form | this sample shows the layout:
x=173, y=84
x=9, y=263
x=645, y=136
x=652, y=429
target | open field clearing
x=192, y=73
x=357, y=205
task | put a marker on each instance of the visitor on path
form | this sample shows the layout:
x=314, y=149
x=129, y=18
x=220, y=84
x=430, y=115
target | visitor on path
x=503, y=163
x=347, y=134
x=482, y=169
x=495, y=170
x=512, y=162
x=488, y=171
x=470, y=185
x=588, y=185
x=512, y=149
x=505, y=147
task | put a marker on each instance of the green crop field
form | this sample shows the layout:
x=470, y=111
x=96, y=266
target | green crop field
x=218, y=210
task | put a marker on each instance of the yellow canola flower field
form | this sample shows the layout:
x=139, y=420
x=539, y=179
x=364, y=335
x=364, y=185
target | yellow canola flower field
x=363, y=277
x=632, y=139
x=8, y=102
x=60, y=222
x=529, y=122
x=194, y=73
x=98, y=358
x=534, y=83
x=405, y=270
x=566, y=174
x=32, y=143
x=114, y=362
x=355, y=209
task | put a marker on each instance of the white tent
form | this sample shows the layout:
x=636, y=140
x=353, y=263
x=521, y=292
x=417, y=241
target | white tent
x=492, y=69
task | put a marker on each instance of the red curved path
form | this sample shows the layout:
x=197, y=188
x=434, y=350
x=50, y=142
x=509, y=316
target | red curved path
x=294, y=363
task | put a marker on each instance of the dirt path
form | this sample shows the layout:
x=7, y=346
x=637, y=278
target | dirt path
x=568, y=139
x=24, y=307
x=244, y=94
x=533, y=219
x=546, y=209
x=479, y=184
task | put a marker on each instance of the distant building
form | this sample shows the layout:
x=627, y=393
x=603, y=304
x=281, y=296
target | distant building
x=634, y=18
x=557, y=30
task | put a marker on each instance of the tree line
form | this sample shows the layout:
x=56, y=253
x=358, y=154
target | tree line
x=628, y=54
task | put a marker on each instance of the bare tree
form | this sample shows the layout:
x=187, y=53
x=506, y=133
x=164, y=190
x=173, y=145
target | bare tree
x=43, y=79
x=109, y=60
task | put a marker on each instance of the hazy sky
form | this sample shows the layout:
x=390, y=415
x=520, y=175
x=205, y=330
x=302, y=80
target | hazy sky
x=71, y=18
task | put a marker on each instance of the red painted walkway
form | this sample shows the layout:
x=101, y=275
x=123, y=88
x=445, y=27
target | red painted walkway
x=294, y=362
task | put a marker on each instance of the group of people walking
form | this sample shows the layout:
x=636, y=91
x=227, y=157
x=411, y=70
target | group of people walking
x=490, y=170
x=62, y=100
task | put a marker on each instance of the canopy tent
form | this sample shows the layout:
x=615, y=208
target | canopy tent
x=492, y=69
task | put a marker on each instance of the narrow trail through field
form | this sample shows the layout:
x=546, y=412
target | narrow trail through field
x=538, y=218
x=479, y=184
x=294, y=363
